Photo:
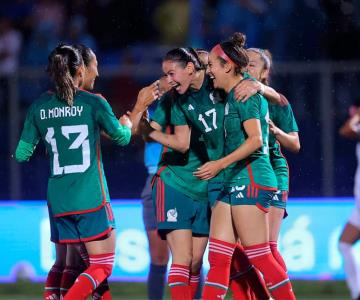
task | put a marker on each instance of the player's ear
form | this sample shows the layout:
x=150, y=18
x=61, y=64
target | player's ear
x=190, y=68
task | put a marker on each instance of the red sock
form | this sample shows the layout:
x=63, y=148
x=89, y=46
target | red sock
x=102, y=292
x=276, y=279
x=68, y=278
x=240, y=265
x=53, y=281
x=100, y=268
x=178, y=281
x=217, y=280
x=194, y=283
x=275, y=252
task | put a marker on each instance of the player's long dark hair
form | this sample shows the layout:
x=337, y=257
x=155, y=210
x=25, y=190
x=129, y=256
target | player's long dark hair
x=184, y=56
x=63, y=62
x=86, y=53
x=234, y=49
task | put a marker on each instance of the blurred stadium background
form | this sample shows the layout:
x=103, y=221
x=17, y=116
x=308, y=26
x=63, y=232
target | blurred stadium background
x=316, y=48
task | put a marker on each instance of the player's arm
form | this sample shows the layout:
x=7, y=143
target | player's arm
x=179, y=140
x=251, y=144
x=350, y=129
x=247, y=88
x=24, y=151
x=119, y=131
x=146, y=96
x=30, y=137
x=290, y=140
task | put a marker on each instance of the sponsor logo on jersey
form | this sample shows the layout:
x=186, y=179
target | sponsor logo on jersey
x=171, y=215
x=239, y=195
x=190, y=107
x=275, y=197
x=237, y=188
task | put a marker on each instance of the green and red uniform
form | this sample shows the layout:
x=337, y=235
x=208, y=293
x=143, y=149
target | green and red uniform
x=71, y=135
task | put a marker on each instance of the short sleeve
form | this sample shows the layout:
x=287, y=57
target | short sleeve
x=249, y=109
x=177, y=115
x=30, y=133
x=284, y=118
x=105, y=117
x=161, y=113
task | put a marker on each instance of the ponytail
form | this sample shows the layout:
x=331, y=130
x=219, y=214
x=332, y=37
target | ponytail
x=63, y=63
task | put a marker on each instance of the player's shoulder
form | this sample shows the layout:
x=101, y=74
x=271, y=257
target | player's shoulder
x=42, y=99
x=92, y=99
x=284, y=101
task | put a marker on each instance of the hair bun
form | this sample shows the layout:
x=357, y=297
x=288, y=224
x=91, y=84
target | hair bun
x=239, y=39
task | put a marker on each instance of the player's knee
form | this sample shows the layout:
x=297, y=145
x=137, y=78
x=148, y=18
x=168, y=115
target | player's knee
x=196, y=263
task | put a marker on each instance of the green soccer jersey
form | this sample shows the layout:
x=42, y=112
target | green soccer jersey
x=203, y=111
x=175, y=168
x=283, y=117
x=71, y=135
x=256, y=169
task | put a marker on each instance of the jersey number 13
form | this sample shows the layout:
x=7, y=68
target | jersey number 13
x=80, y=142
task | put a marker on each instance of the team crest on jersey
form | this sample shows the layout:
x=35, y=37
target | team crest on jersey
x=171, y=215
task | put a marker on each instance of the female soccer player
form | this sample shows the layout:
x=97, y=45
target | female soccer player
x=69, y=121
x=191, y=100
x=249, y=180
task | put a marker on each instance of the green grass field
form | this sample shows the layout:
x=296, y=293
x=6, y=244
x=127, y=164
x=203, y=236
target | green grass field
x=304, y=290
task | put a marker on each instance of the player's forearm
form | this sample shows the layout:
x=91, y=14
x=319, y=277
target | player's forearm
x=24, y=151
x=246, y=149
x=170, y=140
x=135, y=117
x=270, y=94
x=289, y=141
x=121, y=136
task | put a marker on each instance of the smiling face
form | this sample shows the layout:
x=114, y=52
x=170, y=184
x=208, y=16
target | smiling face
x=91, y=72
x=217, y=71
x=177, y=76
x=256, y=67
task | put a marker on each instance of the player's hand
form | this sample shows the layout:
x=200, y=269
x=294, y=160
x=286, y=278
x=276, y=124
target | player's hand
x=147, y=95
x=273, y=128
x=163, y=86
x=125, y=120
x=245, y=89
x=145, y=128
x=209, y=170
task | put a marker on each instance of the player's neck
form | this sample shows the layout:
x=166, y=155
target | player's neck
x=198, y=80
x=232, y=82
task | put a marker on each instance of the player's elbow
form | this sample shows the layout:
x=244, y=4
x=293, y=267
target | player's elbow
x=256, y=141
x=295, y=147
x=183, y=147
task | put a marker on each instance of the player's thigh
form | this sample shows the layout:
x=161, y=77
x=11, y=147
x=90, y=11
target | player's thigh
x=159, y=251
x=102, y=246
x=73, y=257
x=221, y=225
x=180, y=244
x=251, y=223
x=276, y=215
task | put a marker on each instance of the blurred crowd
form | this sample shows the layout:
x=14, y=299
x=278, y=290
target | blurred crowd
x=138, y=31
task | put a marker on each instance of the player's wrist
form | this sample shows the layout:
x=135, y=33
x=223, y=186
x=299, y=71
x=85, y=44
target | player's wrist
x=261, y=88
